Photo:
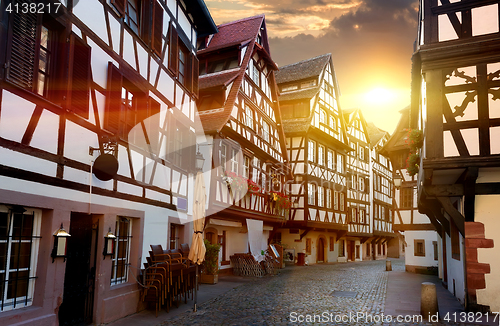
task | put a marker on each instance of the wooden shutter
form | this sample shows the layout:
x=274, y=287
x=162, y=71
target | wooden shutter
x=173, y=50
x=156, y=35
x=188, y=149
x=188, y=78
x=145, y=20
x=22, y=49
x=119, y=5
x=113, y=99
x=195, y=75
x=79, y=77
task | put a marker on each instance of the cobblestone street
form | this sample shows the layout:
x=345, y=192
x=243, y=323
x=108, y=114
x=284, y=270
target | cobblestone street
x=298, y=293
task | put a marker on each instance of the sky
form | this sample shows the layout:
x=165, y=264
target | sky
x=371, y=42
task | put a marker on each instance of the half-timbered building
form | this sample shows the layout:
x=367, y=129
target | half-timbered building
x=358, y=184
x=240, y=115
x=455, y=88
x=381, y=194
x=317, y=146
x=97, y=111
x=418, y=238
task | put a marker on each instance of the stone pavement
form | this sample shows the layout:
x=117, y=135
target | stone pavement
x=359, y=293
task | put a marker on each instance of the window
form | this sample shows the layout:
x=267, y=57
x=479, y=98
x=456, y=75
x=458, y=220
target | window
x=308, y=246
x=131, y=16
x=361, y=153
x=309, y=83
x=332, y=123
x=289, y=88
x=265, y=131
x=341, y=201
x=332, y=244
x=353, y=181
x=19, y=243
x=248, y=117
x=181, y=62
x=255, y=74
x=182, y=65
x=321, y=196
x=362, y=215
x=341, y=248
x=322, y=116
x=329, y=159
x=234, y=161
x=361, y=183
x=354, y=215
x=336, y=200
x=223, y=157
x=36, y=57
x=311, y=194
x=246, y=167
x=328, y=198
x=340, y=163
x=126, y=106
x=419, y=248
x=120, y=262
x=321, y=155
x=311, y=151
x=357, y=251
x=406, y=197
x=256, y=169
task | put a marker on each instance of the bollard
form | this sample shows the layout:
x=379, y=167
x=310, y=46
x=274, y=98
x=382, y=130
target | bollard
x=388, y=266
x=428, y=301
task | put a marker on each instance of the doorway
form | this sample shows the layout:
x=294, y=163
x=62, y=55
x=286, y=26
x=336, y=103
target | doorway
x=351, y=250
x=79, y=280
x=321, y=251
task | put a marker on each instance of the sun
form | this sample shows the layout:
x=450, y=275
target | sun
x=379, y=95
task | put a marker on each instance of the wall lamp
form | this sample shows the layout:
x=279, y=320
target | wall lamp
x=60, y=243
x=109, y=244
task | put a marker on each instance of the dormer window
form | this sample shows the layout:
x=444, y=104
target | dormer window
x=309, y=83
x=289, y=88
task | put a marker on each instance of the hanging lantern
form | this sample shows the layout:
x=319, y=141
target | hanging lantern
x=60, y=243
x=109, y=244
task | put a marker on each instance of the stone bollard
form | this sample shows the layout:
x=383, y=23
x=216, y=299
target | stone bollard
x=428, y=301
x=388, y=266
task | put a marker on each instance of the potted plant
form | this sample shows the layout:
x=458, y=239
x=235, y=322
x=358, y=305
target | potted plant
x=210, y=273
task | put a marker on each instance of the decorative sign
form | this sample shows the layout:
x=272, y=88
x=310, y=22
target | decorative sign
x=105, y=167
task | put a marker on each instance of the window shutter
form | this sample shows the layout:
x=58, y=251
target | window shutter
x=22, y=50
x=156, y=43
x=188, y=149
x=189, y=72
x=113, y=99
x=173, y=51
x=119, y=5
x=79, y=77
x=146, y=21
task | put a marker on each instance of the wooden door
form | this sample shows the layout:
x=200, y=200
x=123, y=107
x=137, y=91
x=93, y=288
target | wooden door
x=321, y=251
x=352, y=250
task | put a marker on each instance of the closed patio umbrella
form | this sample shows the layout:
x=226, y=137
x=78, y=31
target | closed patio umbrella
x=197, y=252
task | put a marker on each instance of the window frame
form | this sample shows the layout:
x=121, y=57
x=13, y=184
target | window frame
x=127, y=239
x=417, y=243
x=6, y=303
x=311, y=194
x=406, y=195
x=311, y=150
x=321, y=196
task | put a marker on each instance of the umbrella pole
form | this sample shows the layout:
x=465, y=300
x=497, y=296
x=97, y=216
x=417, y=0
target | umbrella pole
x=196, y=290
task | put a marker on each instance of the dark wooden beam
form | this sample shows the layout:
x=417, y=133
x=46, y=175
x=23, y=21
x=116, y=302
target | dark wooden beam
x=414, y=227
x=340, y=234
x=460, y=6
x=456, y=216
x=453, y=190
x=303, y=234
x=470, y=193
x=462, y=162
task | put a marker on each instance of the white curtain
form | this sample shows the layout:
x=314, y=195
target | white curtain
x=256, y=238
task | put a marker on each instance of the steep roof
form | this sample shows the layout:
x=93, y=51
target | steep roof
x=307, y=93
x=201, y=16
x=234, y=33
x=217, y=79
x=303, y=69
x=398, y=139
x=237, y=32
x=375, y=133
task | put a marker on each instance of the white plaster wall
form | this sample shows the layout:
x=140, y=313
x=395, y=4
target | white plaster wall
x=486, y=212
x=456, y=270
x=410, y=258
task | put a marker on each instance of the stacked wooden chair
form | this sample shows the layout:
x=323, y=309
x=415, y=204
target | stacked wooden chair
x=168, y=276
